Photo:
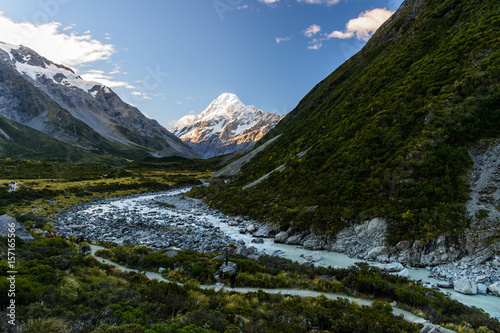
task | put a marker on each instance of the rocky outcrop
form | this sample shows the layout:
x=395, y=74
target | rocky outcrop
x=226, y=271
x=431, y=328
x=367, y=241
x=440, y=250
x=20, y=231
x=484, y=198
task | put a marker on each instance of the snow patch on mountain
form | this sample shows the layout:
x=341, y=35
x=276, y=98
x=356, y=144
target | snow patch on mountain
x=43, y=67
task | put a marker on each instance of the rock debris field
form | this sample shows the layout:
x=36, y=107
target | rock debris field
x=161, y=220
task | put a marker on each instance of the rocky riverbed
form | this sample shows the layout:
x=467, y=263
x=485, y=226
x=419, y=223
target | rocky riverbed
x=173, y=220
x=164, y=220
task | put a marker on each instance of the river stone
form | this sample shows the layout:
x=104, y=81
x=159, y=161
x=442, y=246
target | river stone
x=481, y=278
x=404, y=273
x=445, y=284
x=281, y=237
x=495, y=288
x=245, y=251
x=294, y=240
x=392, y=267
x=262, y=232
x=482, y=289
x=465, y=286
x=232, y=223
x=313, y=257
x=251, y=228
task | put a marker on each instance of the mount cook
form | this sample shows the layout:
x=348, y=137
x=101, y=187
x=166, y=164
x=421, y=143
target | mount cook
x=225, y=126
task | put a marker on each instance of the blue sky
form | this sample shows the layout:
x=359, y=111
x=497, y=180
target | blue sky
x=171, y=58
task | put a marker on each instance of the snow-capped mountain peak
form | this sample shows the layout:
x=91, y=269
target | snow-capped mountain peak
x=28, y=62
x=224, y=126
x=223, y=106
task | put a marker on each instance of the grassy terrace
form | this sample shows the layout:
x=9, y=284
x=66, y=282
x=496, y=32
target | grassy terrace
x=46, y=188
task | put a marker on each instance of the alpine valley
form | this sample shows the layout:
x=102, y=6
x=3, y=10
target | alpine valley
x=47, y=111
x=225, y=126
x=403, y=134
x=373, y=206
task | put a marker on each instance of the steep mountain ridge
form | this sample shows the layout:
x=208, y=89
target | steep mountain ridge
x=386, y=134
x=225, y=126
x=33, y=87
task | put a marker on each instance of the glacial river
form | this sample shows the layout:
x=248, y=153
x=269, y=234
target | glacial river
x=140, y=205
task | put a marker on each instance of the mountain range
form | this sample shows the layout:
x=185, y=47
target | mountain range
x=46, y=110
x=225, y=126
x=389, y=134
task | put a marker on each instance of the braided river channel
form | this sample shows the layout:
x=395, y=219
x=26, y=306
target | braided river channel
x=172, y=220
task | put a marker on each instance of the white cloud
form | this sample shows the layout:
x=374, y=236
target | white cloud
x=69, y=27
x=282, y=39
x=312, y=30
x=364, y=25
x=311, y=2
x=140, y=94
x=107, y=80
x=315, y=44
x=46, y=39
x=270, y=2
x=116, y=70
x=320, y=2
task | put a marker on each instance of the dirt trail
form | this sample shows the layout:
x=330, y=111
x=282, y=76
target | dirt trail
x=408, y=316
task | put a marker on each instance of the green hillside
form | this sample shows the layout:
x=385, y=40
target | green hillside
x=26, y=143
x=386, y=133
